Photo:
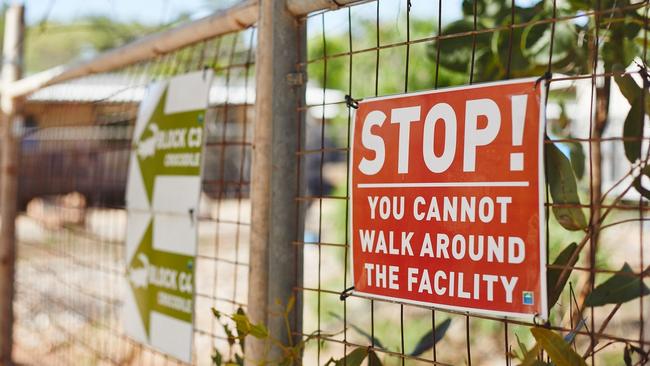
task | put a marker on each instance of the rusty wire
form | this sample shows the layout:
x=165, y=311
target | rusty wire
x=341, y=328
x=69, y=277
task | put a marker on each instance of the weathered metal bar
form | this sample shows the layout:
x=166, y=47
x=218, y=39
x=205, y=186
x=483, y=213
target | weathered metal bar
x=275, y=263
x=11, y=70
x=304, y=7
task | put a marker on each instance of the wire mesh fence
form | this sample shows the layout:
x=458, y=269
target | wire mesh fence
x=382, y=47
x=75, y=161
x=74, y=165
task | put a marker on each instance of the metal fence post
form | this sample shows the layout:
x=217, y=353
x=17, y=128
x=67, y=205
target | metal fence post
x=11, y=71
x=275, y=263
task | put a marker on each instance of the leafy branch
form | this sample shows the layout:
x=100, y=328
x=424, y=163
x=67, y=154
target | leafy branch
x=244, y=327
x=359, y=354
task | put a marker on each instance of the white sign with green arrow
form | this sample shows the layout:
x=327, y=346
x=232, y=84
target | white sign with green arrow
x=162, y=203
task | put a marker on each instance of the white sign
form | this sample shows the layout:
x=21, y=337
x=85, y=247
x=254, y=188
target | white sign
x=162, y=203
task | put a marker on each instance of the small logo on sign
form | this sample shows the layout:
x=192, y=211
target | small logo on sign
x=147, y=147
x=528, y=298
x=139, y=277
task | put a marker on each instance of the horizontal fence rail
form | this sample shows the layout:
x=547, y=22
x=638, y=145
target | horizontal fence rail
x=239, y=17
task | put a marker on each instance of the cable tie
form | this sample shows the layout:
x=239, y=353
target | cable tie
x=346, y=293
x=351, y=102
x=547, y=76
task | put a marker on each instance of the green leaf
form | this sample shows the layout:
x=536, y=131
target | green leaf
x=564, y=189
x=245, y=327
x=560, y=351
x=577, y=155
x=522, y=347
x=290, y=304
x=580, y=5
x=627, y=358
x=618, y=289
x=629, y=88
x=373, y=340
x=242, y=324
x=373, y=359
x=618, y=49
x=632, y=130
x=553, y=283
x=633, y=124
x=542, y=363
x=231, y=337
x=632, y=29
x=217, y=358
x=645, y=356
x=530, y=357
x=456, y=52
x=354, y=358
x=640, y=188
x=239, y=359
x=566, y=51
x=637, y=183
x=431, y=338
x=536, y=362
x=638, y=350
x=242, y=339
x=259, y=331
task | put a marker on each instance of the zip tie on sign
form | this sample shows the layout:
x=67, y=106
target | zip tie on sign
x=547, y=76
x=351, y=102
x=537, y=320
x=346, y=293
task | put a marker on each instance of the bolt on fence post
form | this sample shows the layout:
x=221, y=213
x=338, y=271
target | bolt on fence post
x=275, y=262
x=11, y=71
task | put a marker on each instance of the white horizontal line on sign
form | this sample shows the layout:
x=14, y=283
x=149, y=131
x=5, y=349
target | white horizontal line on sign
x=444, y=184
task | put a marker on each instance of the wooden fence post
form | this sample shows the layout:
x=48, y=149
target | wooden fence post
x=275, y=262
x=10, y=143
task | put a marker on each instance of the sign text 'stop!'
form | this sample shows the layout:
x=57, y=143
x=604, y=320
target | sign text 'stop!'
x=447, y=199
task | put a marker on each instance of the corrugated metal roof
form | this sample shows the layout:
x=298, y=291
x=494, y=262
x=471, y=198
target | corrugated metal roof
x=122, y=88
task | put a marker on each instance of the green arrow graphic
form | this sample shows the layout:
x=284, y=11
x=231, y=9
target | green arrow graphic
x=171, y=144
x=161, y=281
